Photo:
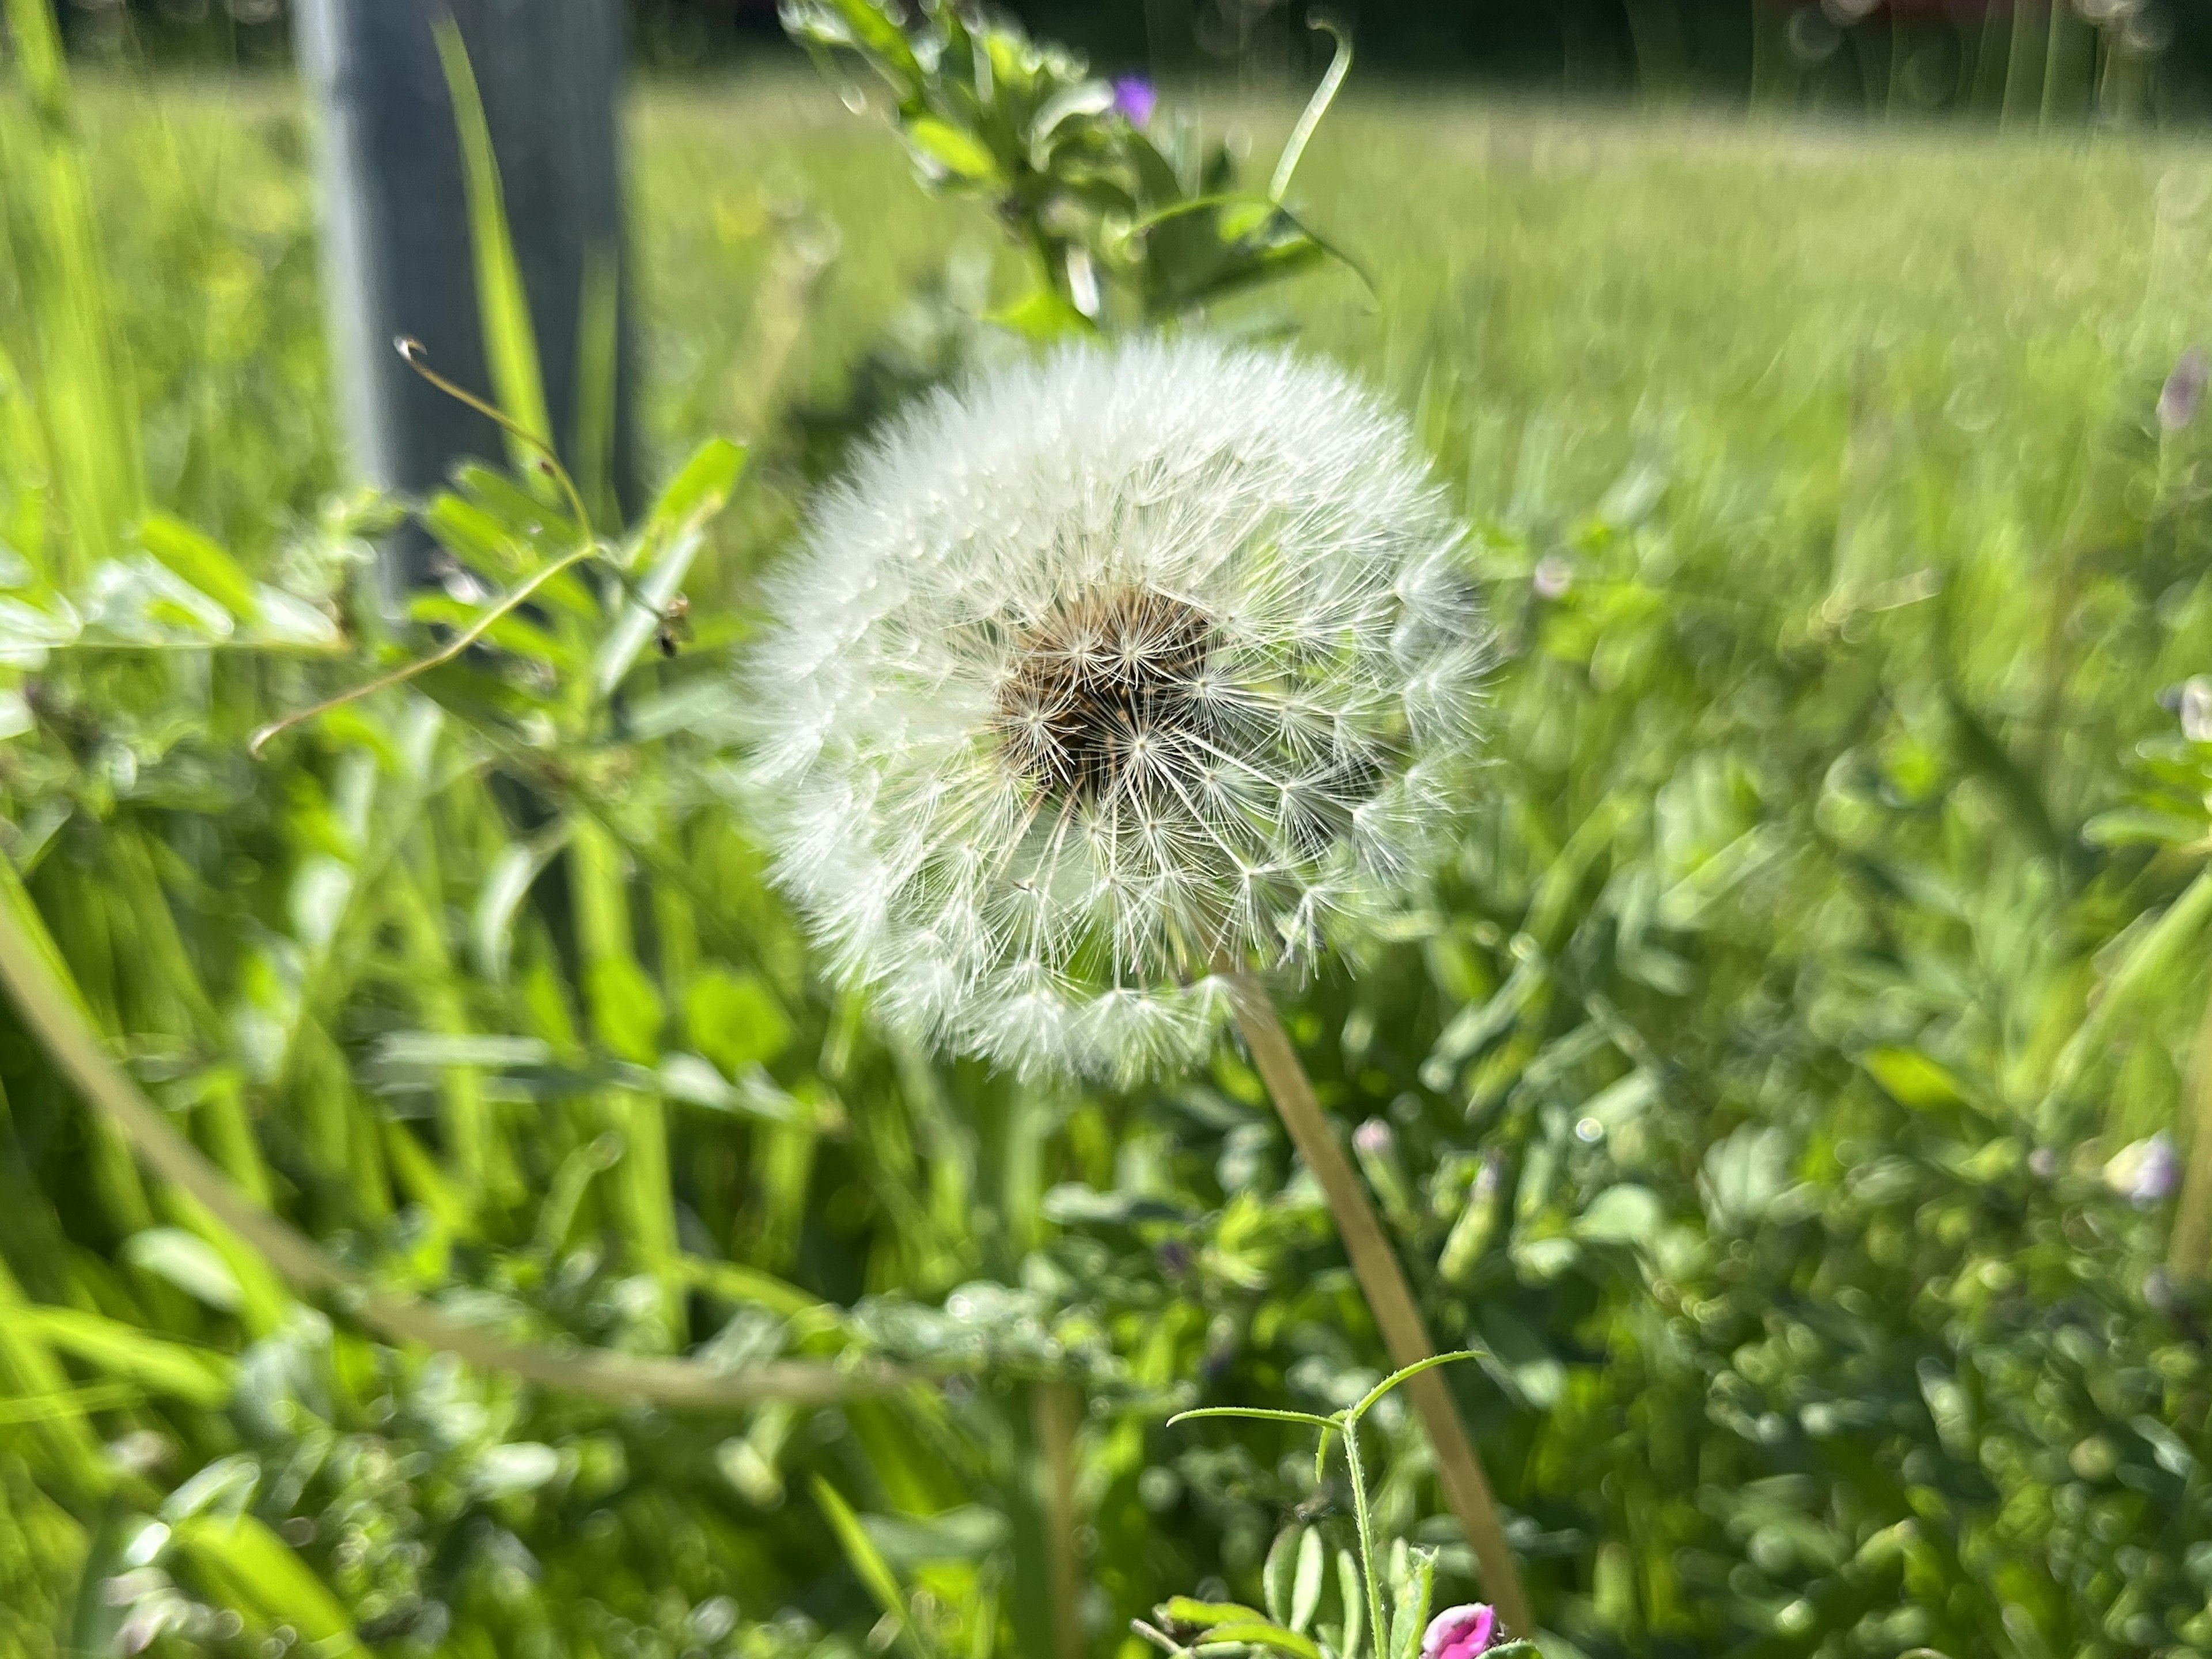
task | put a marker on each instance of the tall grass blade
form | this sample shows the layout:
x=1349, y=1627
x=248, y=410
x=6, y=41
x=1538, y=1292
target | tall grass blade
x=510, y=341
x=90, y=417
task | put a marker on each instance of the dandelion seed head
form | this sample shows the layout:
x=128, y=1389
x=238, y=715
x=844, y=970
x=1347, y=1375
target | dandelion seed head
x=1103, y=676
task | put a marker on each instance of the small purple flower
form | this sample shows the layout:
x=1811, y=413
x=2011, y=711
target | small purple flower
x=2196, y=708
x=2159, y=1291
x=2146, y=1172
x=1135, y=97
x=1555, y=575
x=1460, y=1632
x=2185, y=389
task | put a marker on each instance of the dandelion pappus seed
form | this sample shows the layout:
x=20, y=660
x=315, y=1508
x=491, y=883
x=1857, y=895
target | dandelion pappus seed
x=1103, y=674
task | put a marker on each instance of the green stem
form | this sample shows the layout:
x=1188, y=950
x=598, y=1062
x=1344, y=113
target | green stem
x=1378, y=1639
x=612, y=972
x=2189, y=1251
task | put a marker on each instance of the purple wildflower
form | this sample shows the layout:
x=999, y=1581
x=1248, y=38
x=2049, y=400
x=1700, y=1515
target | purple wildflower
x=1135, y=97
x=2196, y=709
x=2185, y=389
x=1461, y=1633
x=2147, y=1172
x=1555, y=575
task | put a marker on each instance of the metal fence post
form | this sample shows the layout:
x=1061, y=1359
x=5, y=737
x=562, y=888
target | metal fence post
x=398, y=253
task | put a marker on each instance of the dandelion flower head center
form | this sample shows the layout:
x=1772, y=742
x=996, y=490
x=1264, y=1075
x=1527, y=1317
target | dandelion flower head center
x=1106, y=689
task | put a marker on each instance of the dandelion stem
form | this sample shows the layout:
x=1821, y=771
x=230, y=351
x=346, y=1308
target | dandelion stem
x=1389, y=1297
x=1053, y=1411
x=2189, y=1250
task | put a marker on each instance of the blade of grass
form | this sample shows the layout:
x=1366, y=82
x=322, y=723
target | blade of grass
x=623, y=1004
x=92, y=424
x=599, y=386
x=510, y=340
x=31, y=970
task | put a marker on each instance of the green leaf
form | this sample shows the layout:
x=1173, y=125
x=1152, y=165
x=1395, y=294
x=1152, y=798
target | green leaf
x=1277, y=1572
x=1351, y=1588
x=260, y=1575
x=2135, y=826
x=1043, y=313
x=742, y=1285
x=510, y=337
x=2148, y=960
x=967, y=1532
x=627, y=1012
x=513, y=871
x=864, y=25
x=126, y=1352
x=1261, y=1633
x=698, y=491
x=735, y=1019
x=1411, y=1593
x=1626, y=1214
x=1305, y=1591
x=868, y=1562
x=960, y=153
x=1403, y=1374
x=1188, y=1610
x=194, y=558
x=190, y=1263
x=1913, y=1079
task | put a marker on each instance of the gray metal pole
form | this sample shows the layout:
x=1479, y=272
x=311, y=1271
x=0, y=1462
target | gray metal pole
x=396, y=230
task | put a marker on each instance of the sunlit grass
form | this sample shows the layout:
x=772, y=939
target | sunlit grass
x=1838, y=560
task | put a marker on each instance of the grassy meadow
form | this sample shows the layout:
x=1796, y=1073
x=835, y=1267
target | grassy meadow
x=1772, y=1082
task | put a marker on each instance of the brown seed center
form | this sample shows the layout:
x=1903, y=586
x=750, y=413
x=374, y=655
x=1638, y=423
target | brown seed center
x=1106, y=687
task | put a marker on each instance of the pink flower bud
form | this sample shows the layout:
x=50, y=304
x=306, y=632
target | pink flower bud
x=1460, y=1632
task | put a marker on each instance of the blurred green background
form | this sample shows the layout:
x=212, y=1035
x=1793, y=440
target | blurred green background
x=1786, y=1087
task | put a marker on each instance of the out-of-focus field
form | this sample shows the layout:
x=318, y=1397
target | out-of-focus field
x=1594, y=280
x=1856, y=357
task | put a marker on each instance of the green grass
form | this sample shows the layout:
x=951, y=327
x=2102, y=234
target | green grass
x=1838, y=562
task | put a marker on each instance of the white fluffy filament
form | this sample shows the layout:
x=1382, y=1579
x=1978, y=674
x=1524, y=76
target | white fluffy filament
x=1106, y=674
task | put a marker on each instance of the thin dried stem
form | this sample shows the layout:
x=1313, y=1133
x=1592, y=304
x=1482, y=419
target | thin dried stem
x=1383, y=1281
x=513, y=601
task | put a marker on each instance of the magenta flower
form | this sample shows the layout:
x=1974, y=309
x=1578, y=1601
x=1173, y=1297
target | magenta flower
x=1461, y=1633
x=1136, y=98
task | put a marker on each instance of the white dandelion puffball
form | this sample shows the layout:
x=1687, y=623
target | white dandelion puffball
x=1105, y=676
